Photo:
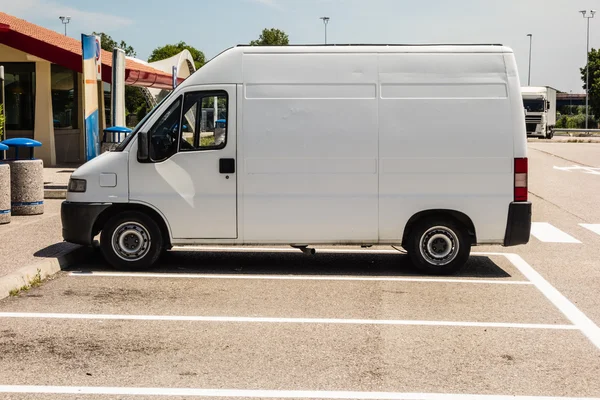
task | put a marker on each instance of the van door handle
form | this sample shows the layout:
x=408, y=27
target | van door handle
x=227, y=166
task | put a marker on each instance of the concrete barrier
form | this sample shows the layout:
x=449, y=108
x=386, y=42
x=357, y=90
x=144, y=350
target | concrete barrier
x=4, y=193
x=27, y=187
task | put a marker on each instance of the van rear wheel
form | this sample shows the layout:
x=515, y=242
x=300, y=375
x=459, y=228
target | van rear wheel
x=439, y=246
x=131, y=241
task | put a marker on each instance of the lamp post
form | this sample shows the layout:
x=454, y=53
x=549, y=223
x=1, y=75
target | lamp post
x=587, y=73
x=65, y=21
x=325, y=22
x=530, y=44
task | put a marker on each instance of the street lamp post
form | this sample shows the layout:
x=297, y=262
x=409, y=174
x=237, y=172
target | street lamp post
x=65, y=21
x=325, y=22
x=587, y=73
x=530, y=44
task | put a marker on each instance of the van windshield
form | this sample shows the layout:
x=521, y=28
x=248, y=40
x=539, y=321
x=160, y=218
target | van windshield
x=129, y=137
x=534, y=105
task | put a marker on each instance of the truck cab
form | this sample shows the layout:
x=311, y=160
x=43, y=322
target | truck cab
x=540, y=111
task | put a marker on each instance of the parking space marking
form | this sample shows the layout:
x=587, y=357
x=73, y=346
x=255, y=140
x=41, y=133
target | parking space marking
x=250, y=249
x=592, y=227
x=276, y=320
x=293, y=278
x=269, y=394
x=577, y=317
x=548, y=233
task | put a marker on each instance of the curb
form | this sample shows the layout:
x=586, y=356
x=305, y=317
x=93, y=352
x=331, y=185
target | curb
x=47, y=267
x=55, y=193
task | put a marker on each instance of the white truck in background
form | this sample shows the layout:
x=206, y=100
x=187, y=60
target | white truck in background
x=540, y=111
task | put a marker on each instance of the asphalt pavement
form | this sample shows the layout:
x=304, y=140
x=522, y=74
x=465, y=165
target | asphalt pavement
x=345, y=324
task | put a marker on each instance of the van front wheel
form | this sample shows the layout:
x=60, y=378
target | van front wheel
x=131, y=241
x=439, y=247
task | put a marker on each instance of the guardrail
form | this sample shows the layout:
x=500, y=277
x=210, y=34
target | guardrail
x=576, y=130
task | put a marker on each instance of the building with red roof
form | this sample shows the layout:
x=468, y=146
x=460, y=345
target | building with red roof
x=43, y=87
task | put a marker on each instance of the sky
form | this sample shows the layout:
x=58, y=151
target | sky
x=559, y=30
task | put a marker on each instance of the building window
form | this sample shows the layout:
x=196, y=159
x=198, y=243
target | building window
x=19, y=92
x=64, y=97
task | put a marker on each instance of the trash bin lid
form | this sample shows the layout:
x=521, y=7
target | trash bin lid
x=21, y=142
x=3, y=147
x=118, y=129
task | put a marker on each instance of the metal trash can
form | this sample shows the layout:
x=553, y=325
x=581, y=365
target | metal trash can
x=4, y=187
x=26, y=178
x=112, y=137
x=220, y=129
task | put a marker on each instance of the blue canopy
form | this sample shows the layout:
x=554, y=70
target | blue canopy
x=3, y=147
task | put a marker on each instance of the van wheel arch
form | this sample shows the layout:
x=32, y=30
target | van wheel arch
x=120, y=208
x=457, y=216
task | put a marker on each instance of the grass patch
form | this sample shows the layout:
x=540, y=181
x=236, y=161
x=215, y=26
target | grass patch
x=207, y=141
x=34, y=282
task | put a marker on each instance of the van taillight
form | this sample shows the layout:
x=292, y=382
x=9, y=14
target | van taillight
x=521, y=168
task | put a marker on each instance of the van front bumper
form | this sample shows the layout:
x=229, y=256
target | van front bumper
x=78, y=221
x=518, y=227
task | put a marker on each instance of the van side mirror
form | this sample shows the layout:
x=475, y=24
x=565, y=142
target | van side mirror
x=143, y=147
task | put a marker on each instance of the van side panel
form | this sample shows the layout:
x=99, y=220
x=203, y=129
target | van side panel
x=310, y=148
x=516, y=103
x=446, y=140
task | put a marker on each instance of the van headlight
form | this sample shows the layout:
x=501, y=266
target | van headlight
x=77, y=185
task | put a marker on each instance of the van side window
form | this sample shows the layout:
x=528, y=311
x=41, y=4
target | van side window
x=204, y=126
x=165, y=133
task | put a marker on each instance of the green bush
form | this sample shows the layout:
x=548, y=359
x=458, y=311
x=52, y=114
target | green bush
x=575, y=121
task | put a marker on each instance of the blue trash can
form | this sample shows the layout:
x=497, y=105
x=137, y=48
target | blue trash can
x=26, y=178
x=113, y=136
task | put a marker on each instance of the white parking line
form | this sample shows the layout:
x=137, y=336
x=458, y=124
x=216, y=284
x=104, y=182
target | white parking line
x=548, y=233
x=578, y=318
x=592, y=227
x=267, y=320
x=293, y=278
x=266, y=394
x=250, y=249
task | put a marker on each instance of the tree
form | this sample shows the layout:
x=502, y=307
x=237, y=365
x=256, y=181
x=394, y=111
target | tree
x=135, y=102
x=271, y=37
x=594, y=93
x=107, y=43
x=169, y=50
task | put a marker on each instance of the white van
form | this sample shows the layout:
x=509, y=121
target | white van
x=419, y=146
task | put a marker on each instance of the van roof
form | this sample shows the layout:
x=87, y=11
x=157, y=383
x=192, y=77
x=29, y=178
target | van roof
x=380, y=45
x=228, y=65
x=366, y=48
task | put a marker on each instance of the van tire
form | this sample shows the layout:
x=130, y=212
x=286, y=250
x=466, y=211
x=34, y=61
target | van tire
x=550, y=133
x=134, y=229
x=444, y=236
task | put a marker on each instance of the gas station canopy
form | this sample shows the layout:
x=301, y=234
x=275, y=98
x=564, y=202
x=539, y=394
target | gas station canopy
x=66, y=51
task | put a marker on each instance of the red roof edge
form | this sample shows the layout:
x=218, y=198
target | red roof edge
x=74, y=62
x=43, y=50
